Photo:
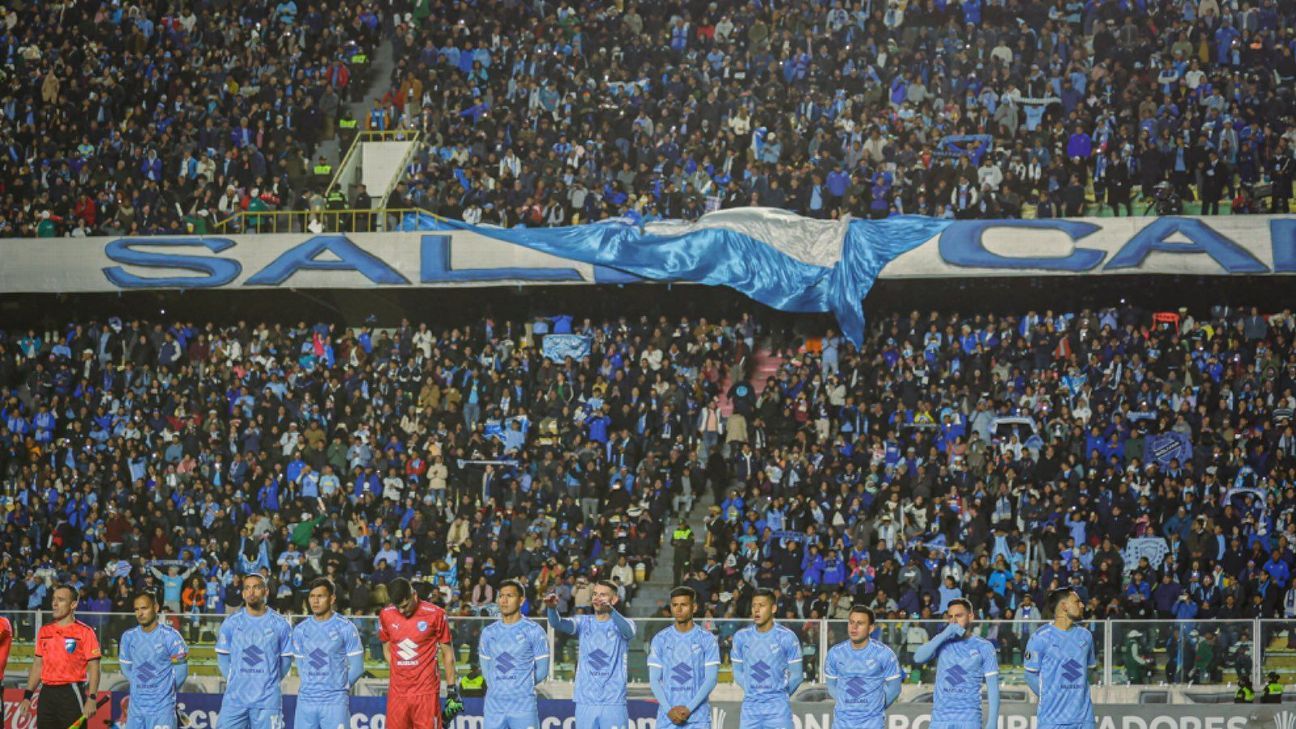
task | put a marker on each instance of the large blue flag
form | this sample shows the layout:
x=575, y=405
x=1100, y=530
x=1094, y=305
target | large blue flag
x=775, y=257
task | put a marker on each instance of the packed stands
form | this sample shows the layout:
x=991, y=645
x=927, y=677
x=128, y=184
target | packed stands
x=149, y=118
x=548, y=113
x=986, y=456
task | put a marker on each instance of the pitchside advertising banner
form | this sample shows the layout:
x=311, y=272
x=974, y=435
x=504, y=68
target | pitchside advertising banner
x=1232, y=245
x=200, y=711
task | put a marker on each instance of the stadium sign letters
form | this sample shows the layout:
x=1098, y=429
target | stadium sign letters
x=1226, y=245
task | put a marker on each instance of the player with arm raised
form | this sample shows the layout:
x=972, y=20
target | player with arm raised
x=254, y=653
x=767, y=666
x=1057, y=661
x=416, y=644
x=683, y=663
x=514, y=652
x=963, y=663
x=863, y=675
x=155, y=659
x=330, y=659
x=601, y=674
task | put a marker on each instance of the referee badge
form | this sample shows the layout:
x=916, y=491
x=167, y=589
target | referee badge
x=70, y=645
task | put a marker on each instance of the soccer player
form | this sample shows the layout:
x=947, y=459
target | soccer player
x=155, y=660
x=6, y=644
x=767, y=665
x=65, y=667
x=1057, y=661
x=601, y=676
x=254, y=653
x=863, y=675
x=514, y=655
x=963, y=663
x=330, y=660
x=416, y=644
x=683, y=663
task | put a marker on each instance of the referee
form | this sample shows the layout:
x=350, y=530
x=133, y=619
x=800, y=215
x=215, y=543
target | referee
x=66, y=667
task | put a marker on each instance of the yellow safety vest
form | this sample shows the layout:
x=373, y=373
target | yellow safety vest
x=683, y=534
x=347, y=123
x=359, y=58
x=472, y=683
x=323, y=169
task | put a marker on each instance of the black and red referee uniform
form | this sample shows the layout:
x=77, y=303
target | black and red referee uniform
x=65, y=651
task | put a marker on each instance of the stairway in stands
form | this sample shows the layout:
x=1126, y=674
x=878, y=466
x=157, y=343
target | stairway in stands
x=658, y=587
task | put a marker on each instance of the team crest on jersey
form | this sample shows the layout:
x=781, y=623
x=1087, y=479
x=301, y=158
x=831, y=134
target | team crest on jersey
x=1029, y=655
x=422, y=625
x=70, y=645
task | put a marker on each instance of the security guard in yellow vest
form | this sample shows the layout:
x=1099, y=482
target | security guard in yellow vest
x=1244, y=694
x=335, y=201
x=348, y=127
x=1272, y=691
x=323, y=171
x=473, y=683
x=682, y=541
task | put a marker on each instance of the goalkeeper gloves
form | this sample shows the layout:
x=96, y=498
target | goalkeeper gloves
x=453, y=707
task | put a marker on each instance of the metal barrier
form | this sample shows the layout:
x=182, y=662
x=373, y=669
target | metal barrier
x=346, y=220
x=1129, y=652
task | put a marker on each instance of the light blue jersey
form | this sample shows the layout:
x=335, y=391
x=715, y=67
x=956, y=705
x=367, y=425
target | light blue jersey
x=152, y=660
x=963, y=666
x=510, y=655
x=767, y=659
x=682, y=661
x=601, y=672
x=255, y=647
x=861, y=675
x=323, y=650
x=1062, y=658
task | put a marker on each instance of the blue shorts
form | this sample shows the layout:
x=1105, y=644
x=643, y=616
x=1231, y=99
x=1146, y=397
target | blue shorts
x=144, y=718
x=322, y=714
x=511, y=720
x=244, y=717
x=955, y=724
x=768, y=716
x=1076, y=725
x=589, y=716
x=846, y=722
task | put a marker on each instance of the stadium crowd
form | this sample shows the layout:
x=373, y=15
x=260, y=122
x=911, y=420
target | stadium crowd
x=126, y=117
x=545, y=113
x=956, y=455
x=149, y=117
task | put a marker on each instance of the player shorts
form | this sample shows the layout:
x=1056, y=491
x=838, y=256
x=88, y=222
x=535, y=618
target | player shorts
x=849, y=722
x=1077, y=725
x=322, y=714
x=589, y=716
x=511, y=720
x=954, y=724
x=414, y=712
x=137, y=717
x=766, y=717
x=246, y=717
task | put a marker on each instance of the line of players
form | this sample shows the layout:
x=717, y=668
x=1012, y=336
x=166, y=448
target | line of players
x=256, y=647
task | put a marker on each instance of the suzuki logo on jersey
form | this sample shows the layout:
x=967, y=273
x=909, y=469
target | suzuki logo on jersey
x=145, y=673
x=253, y=656
x=598, y=660
x=682, y=673
x=317, y=659
x=955, y=676
x=505, y=662
x=760, y=672
x=407, y=651
x=856, y=686
x=1072, y=671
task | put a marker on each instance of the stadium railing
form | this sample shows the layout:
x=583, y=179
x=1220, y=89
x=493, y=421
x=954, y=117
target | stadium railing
x=341, y=220
x=1137, y=652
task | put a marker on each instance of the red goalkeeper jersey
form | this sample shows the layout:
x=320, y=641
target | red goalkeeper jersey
x=414, y=642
